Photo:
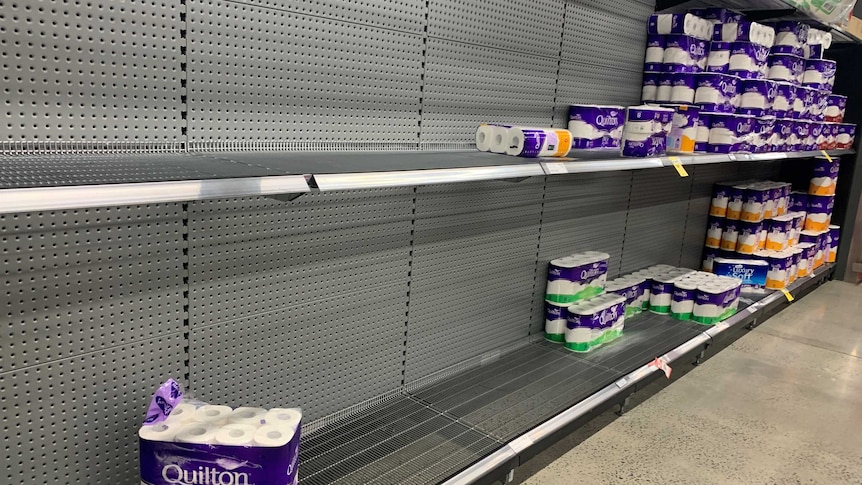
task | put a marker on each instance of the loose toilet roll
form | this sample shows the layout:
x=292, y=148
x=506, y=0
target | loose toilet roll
x=484, y=135
x=163, y=431
x=236, y=435
x=499, y=138
x=211, y=414
x=198, y=433
x=247, y=415
x=284, y=418
x=272, y=436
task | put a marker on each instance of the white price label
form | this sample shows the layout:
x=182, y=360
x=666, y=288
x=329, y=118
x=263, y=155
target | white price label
x=556, y=167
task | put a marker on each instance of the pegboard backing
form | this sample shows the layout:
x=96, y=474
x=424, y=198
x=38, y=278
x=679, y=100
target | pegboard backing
x=585, y=212
x=466, y=85
x=656, y=219
x=528, y=26
x=324, y=355
x=261, y=74
x=84, y=280
x=74, y=421
x=581, y=83
x=474, y=262
x=257, y=255
x=405, y=15
x=597, y=35
x=99, y=70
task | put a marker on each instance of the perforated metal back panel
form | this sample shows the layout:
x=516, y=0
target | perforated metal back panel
x=656, y=219
x=91, y=321
x=474, y=261
x=265, y=74
x=98, y=70
x=302, y=302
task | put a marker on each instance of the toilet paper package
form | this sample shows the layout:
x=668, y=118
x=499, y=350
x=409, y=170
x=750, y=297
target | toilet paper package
x=798, y=201
x=780, y=265
x=650, y=87
x=836, y=105
x=680, y=23
x=665, y=87
x=729, y=133
x=245, y=446
x=810, y=51
x=806, y=261
x=645, y=131
x=822, y=100
x=830, y=133
x=718, y=15
x=715, y=302
x=819, y=74
x=632, y=289
x=576, y=277
x=820, y=132
x=716, y=93
x=556, y=315
x=709, y=255
x=594, y=322
x=661, y=292
x=754, y=203
x=735, y=198
x=819, y=240
x=596, y=127
x=795, y=256
x=534, y=142
x=757, y=96
x=720, y=199
x=729, y=235
x=778, y=233
x=764, y=132
x=807, y=96
x=748, y=60
x=753, y=32
x=683, y=133
x=788, y=32
x=751, y=272
x=785, y=67
x=718, y=59
x=801, y=129
x=701, y=141
x=684, y=53
x=819, y=213
x=834, y=239
x=748, y=237
x=846, y=136
x=785, y=131
x=655, y=49
x=682, y=299
x=787, y=49
x=714, y=229
x=682, y=88
x=782, y=104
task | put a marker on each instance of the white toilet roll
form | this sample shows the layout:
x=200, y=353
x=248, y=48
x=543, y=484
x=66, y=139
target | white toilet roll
x=663, y=93
x=236, y=435
x=483, y=137
x=182, y=412
x=654, y=55
x=499, y=138
x=648, y=127
x=212, y=414
x=284, y=418
x=648, y=93
x=246, y=415
x=272, y=436
x=682, y=94
x=198, y=433
x=163, y=431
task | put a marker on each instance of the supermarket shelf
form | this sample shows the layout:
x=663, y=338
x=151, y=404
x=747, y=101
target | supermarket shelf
x=58, y=182
x=761, y=10
x=475, y=426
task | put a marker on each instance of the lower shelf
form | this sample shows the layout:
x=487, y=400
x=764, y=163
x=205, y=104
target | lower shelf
x=478, y=421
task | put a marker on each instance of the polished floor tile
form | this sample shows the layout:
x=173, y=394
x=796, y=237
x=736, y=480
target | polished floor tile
x=781, y=405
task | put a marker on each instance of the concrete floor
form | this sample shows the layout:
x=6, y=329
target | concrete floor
x=783, y=404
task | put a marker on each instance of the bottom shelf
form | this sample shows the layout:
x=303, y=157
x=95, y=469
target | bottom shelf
x=479, y=420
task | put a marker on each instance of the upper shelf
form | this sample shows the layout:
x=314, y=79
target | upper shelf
x=761, y=10
x=57, y=182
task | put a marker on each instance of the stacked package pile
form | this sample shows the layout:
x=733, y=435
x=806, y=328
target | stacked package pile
x=584, y=311
x=764, y=222
x=755, y=88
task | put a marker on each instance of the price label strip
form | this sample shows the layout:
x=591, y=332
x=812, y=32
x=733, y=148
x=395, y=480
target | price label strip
x=556, y=167
x=826, y=155
x=662, y=366
x=677, y=164
x=787, y=294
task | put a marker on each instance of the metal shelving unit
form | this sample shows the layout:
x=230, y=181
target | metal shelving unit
x=476, y=425
x=58, y=182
